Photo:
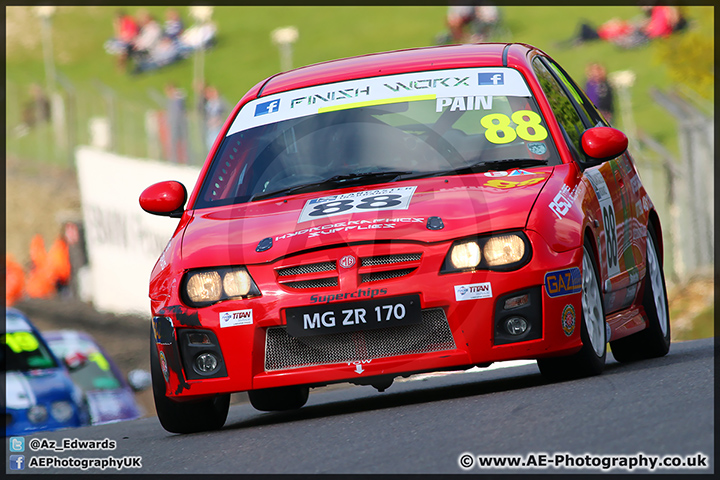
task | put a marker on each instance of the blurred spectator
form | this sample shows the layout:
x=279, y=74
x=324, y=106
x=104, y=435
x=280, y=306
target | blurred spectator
x=14, y=280
x=657, y=21
x=173, y=25
x=163, y=53
x=37, y=109
x=126, y=29
x=215, y=114
x=598, y=90
x=479, y=21
x=200, y=36
x=177, y=122
x=72, y=233
x=50, y=271
x=149, y=35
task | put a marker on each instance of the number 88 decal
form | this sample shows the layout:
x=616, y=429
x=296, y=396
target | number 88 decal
x=498, y=129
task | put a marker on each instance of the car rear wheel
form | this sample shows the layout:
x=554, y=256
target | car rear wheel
x=281, y=398
x=654, y=341
x=185, y=417
x=590, y=360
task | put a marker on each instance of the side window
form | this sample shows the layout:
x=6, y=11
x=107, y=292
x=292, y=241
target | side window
x=565, y=113
x=586, y=106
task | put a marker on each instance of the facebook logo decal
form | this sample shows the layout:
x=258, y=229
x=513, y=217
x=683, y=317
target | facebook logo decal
x=267, y=107
x=491, y=79
x=17, y=462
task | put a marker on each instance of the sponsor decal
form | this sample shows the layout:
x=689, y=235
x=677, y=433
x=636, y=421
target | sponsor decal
x=164, y=366
x=635, y=183
x=268, y=107
x=568, y=320
x=496, y=174
x=491, y=78
x=563, y=201
x=496, y=183
x=451, y=84
x=537, y=148
x=483, y=102
x=339, y=297
x=329, y=228
x=330, y=96
x=235, y=318
x=517, y=172
x=347, y=261
x=397, y=198
x=474, y=291
x=563, y=282
x=428, y=83
x=646, y=203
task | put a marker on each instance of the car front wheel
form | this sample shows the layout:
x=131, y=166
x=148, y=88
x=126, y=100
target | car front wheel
x=185, y=417
x=590, y=360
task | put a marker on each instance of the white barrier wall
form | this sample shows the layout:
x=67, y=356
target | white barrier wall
x=123, y=241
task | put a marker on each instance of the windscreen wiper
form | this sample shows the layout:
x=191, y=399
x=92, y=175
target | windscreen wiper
x=335, y=181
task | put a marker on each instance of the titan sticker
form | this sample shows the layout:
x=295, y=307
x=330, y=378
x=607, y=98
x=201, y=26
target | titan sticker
x=474, y=291
x=568, y=320
x=236, y=318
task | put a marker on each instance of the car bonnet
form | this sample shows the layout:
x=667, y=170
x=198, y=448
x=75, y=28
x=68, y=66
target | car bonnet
x=400, y=211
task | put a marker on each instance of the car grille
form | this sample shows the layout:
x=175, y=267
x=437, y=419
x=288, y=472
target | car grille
x=303, y=269
x=389, y=259
x=383, y=262
x=283, y=351
x=374, y=277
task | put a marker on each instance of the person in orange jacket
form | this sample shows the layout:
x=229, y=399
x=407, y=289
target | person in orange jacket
x=14, y=280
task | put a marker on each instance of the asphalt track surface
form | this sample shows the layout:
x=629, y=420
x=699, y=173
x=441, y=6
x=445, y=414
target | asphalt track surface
x=652, y=408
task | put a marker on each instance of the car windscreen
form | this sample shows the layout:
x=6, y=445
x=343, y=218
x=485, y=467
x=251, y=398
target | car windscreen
x=23, y=352
x=378, y=130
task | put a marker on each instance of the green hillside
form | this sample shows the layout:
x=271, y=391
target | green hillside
x=244, y=53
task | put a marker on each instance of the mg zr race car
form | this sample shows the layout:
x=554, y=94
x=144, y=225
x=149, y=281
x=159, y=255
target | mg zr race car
x=411, y=211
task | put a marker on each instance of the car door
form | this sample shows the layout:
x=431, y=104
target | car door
x=610, y=181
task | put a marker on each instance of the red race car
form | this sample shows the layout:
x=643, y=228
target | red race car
x=379, y=216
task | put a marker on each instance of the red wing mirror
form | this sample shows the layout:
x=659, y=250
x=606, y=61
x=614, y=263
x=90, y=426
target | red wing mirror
x=164, y=198
x=603, y=143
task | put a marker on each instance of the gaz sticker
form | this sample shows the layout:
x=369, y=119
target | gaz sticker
x=397, y=198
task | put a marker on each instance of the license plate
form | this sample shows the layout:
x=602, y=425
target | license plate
x=353, y=316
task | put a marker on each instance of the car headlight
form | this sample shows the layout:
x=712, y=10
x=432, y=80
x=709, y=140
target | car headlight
x=205, y=287
x=506, y=251
x=61, y=411
x=465, y=255
x=37, y=414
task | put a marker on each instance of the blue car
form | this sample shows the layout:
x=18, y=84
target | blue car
x=39, y=393
x=110, y=397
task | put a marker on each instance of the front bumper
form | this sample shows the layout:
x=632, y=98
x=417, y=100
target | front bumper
x=458, y=331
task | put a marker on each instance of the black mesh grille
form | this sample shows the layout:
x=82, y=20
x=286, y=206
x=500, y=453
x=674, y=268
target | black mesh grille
x=374, y=277
x=388, y=259
x=311, y=268
x=319, y=283
x=283, y=351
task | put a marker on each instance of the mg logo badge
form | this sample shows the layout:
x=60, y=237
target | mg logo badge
x=347, y=261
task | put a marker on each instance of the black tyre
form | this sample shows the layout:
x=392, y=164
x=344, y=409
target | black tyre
x=281, y=398
x=185, y=417
x=590, y=360
x=654, y=341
